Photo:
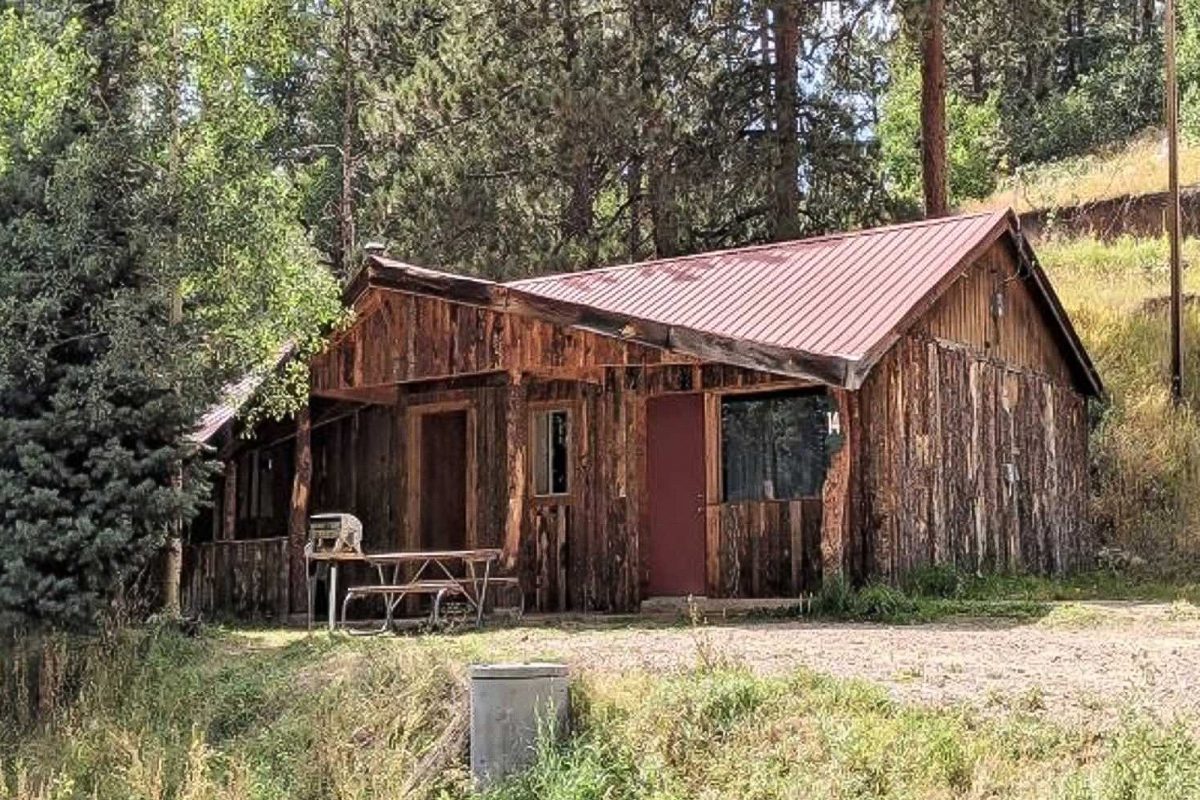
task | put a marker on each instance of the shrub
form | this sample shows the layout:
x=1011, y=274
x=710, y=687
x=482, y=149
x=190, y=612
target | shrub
x=939, y=580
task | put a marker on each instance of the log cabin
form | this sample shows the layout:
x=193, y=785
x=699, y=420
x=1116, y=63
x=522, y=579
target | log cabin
x=737, y=424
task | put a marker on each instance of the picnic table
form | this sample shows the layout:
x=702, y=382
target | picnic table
x=433, y=575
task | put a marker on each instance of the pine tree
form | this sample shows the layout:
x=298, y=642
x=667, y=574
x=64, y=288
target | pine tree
x=509, y=138
x=145, y=189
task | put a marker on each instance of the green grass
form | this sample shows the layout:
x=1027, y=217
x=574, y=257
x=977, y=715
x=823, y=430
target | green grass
x=938, y=593
x=274, y=715
x=882, y=603
x=729, y=734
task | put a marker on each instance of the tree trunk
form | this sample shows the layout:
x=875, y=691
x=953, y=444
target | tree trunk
x=346, y=232
x=298, y=519
x=978, y=92
x=654, y=162
x=785, y=222
x=663, y=215
x=172, y=574
x=633, y=183
x=578, y=215
x=933, y=110
x=1072, y=37
x=172, y=563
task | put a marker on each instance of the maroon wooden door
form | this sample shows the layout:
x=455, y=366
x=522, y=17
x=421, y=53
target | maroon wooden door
x=675, y=483
x=443, y=498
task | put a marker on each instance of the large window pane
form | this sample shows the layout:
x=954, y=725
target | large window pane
x=774, y=446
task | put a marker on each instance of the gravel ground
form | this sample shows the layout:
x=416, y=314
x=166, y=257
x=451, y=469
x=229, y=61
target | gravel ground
x=1093, y=660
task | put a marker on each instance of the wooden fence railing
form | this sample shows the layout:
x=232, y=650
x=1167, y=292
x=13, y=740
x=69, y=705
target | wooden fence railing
x=244, y=579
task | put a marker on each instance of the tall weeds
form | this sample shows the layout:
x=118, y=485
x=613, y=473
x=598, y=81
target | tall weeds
x=159, y=715
x=1145, y=452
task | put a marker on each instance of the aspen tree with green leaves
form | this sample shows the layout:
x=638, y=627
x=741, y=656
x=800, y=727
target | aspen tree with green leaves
x=137, y=167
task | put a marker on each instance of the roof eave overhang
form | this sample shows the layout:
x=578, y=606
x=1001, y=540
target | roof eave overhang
x=683, y=340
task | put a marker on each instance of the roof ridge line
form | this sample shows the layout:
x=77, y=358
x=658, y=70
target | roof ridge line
x=826, y=237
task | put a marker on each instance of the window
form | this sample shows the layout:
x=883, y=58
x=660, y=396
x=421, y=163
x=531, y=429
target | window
x=550, y=468
x=774, y=447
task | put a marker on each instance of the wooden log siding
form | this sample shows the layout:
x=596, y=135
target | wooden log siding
x=968, y=463
x=402, y=337
x=965, y=445
x=247, y=579
x=770, y=548
x=992, y=312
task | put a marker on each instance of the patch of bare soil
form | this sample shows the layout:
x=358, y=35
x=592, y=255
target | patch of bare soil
x=1090, y=661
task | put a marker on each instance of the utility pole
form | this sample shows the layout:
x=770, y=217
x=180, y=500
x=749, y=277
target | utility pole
x=1173, y=216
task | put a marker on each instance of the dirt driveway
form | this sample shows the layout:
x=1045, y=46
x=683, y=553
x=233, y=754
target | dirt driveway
x=1081, y=660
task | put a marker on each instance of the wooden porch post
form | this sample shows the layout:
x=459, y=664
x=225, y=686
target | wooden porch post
x=712, y=494
x=837, y=518
x=516, y=437
x=229, y=506
x=298, y=521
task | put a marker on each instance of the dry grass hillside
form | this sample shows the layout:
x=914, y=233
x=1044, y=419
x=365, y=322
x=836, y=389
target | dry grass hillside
x=1145, y=453
x=1136, y=167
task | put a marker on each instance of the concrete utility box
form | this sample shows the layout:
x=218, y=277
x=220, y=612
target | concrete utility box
x=508, y=703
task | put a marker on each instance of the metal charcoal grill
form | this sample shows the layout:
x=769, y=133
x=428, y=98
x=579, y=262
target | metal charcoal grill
x=334, y=533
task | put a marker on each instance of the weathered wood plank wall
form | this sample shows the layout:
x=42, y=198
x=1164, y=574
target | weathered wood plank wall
x=245, y=579
x=489, y=406
x=968, y=447
x=975, y=441
x=404, y=337
x=354, y=464
x=991, y=311
x=582, y=552
x=770, y=548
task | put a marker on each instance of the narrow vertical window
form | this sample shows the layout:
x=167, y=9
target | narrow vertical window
x=550, y=468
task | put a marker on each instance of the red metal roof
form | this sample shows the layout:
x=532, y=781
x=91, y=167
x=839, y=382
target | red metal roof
x=824, y=309
x=840, y=296
x=233, y=397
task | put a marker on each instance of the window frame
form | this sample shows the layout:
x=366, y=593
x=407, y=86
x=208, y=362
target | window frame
x=720, y=448
x=545, y=409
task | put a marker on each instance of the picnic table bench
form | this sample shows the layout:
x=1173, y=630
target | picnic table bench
x=432, y=575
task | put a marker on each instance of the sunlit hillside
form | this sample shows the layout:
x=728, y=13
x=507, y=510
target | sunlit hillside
x=1145, y=453
x=1136, y=167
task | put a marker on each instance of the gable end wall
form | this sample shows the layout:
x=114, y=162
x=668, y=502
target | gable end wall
x=974, y=445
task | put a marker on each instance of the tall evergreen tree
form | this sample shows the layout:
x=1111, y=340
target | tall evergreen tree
x=509, y=138
x=144, y=187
